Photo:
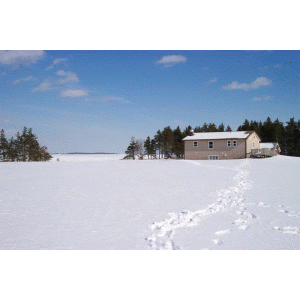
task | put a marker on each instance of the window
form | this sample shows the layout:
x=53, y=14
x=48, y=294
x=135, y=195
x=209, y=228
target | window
x=210, y=145
x=253, y=145
x=228, y=143
x=195, y=144
x=213, y=157
x=234, y=143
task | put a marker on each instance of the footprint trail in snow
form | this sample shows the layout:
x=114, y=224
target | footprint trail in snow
x=163, y=232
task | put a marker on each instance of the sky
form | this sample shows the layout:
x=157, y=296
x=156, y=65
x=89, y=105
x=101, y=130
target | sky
x=95, y=101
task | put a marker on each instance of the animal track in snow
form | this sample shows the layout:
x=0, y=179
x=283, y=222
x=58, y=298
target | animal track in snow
x=163, y=232
x=241, y=223
x=221, y=232
x=290, y=214
x=261, y=204
x=294, y=215
x=217, y=242
x=288, y=229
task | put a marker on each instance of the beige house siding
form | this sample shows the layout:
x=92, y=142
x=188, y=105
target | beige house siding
x=220, y=148
x=252, y=143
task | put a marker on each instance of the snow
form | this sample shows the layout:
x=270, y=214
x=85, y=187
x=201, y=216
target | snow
x=217, y=135
x=102, y=202
x=86, y=157
x=266, y=145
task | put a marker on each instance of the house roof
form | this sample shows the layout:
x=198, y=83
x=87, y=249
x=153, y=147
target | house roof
x=267, y=145
x=219, y=135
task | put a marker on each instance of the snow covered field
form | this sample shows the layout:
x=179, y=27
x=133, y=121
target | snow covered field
x=102, y=202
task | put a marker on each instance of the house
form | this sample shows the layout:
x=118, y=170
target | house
x=272, y=146
x=266, y=150
x=220, y=145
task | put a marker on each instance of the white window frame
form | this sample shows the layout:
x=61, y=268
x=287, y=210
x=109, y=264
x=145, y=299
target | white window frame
x=234, y=143
x=228, y=143
x=253, y=145
x=212, y=145
x=195, y=144
x=216, y=157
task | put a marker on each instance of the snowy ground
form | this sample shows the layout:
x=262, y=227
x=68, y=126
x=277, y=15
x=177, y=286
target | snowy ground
x=102, y=202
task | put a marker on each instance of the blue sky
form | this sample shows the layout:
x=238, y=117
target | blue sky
x=94, y=101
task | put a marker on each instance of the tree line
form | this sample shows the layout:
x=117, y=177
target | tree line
x=167, y=143
x=24, y=147
x=287, y=136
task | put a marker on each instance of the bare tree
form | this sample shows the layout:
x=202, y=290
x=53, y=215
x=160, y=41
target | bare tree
x=140, y=148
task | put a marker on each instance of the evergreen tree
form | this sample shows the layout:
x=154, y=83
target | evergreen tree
x=245, y=126
x=178, y=147
x=33, y=149
x=167, y=141
x=23, y=145
x=131, y=149
x=267, y=131
x=12, y=154
x=212, y=127
x=153, y=148
x=254, y=125
x=158, y=142
x=278, y=130
x=187, y=131
x=24, y=148
x=147, y=146
x=298, y=138
x=44, y=154
x=228, y=128
x=204, y=128
x=197, y=129
x=221, y=127
x=19, y=147
x=3, y=146
x=291, y=136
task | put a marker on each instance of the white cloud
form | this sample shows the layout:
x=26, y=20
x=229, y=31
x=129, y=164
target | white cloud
x=215, y=79
x=266, y=98
x=114, y=98
x=44, y=86
x=29, y=78
x=277, y=66
x=73, y=93
x=56, y=61
x=259, y=82
x=256, y=98
x=19, y=57
x=171, y=60
x=108, y=98
x=67, y=76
